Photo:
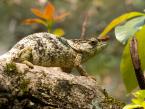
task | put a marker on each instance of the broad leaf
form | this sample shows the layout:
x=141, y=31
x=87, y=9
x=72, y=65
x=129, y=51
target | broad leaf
x=127, y=71
x=118, y=21
x=127, y=30
x=126, y=66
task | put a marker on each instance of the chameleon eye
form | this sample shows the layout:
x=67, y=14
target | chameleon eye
x=93, y=42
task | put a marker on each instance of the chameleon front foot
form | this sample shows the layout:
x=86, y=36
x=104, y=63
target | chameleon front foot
x=29, y=64
x=84, y=73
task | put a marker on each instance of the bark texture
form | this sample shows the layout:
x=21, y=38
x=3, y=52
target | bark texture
x=49, y=88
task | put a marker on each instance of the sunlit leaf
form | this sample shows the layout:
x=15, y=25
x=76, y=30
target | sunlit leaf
x=127, y=30
x=118, y=21
x=143, y=104
x=49, y=11
x=34, y=21
x=132, y=106
x=140, y=94
x=59, y=32
x=37, y=12
x=137, y=101
x=126, y=66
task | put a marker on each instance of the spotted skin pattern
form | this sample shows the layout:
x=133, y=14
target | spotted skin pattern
x=45, y=49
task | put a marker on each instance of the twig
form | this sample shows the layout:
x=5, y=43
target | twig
x=136, y=63
x=84, y=26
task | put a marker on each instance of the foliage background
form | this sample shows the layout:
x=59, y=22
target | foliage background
x=105, y=65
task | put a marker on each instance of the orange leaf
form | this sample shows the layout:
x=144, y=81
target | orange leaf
x=49, y=11
x=37, y=12
x=34, y=21
x=61, y=16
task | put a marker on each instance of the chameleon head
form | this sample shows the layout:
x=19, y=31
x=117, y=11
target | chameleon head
x=89, y=47
x=92, y=46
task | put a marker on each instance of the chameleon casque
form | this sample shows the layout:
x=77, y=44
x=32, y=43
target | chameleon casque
x=45, y=49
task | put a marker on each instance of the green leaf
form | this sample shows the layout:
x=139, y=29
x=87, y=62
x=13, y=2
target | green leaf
x=143, y=104
x=140, y=94
x=119, y=20
x=132, y=106
x=127, y=30
x=59, y=32
x=126, y=66
x=137, y=101
x=141, y=46
x=127, y=70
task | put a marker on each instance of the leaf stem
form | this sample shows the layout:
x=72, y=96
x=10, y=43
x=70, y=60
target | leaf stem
x=136, y=63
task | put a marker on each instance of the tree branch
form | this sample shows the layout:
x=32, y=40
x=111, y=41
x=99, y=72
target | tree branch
x=84, y=25
x=49, y=88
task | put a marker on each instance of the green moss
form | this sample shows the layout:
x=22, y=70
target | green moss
x=108, y=100
x=111, y=100
x=10, y=69
x=24, y=85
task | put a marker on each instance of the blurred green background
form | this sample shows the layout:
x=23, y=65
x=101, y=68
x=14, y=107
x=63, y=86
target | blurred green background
x=104, y=66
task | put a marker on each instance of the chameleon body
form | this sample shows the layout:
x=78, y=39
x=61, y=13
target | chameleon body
x=45, y=49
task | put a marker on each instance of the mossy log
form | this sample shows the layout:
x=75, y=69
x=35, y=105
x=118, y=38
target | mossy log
x=47, y=88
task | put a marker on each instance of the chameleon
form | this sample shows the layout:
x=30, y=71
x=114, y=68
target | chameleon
x=47, y=50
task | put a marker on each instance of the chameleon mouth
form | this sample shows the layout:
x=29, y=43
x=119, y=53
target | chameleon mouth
x=103, y=41
x=102, y=44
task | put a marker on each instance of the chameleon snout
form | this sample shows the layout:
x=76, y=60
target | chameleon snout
x=102, y=44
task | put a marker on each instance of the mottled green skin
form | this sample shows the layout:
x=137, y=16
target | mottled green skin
x=45, y=49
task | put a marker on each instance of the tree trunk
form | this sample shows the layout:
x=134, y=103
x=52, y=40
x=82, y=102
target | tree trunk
x=48, y=88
